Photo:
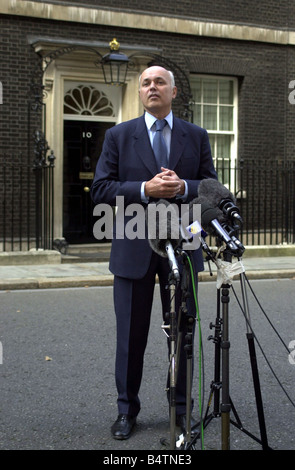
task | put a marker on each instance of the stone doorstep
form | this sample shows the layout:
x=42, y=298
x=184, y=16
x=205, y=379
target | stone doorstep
x=32, y=257
x=101, y=253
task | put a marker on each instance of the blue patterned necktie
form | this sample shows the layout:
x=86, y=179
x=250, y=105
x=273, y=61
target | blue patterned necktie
x=159, y=145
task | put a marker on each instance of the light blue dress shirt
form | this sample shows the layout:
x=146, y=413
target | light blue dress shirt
x=151, y=128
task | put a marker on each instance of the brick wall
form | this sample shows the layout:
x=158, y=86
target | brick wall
x=266, y=118
x=264, y=12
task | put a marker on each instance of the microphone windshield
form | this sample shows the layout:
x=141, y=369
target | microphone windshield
x=208, y=214
x=214, y=192
x=207, y=210
x=163, y=225
x=220, y=197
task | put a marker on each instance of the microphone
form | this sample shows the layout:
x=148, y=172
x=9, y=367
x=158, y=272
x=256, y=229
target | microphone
x=164, y=233
x=172, y=260
x=220, y=197
x=210, y=217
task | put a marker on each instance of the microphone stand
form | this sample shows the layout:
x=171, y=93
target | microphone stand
x=186, y=324
x=172, y=328
x=176, y=328
x=221, y=361
x=225, y=346
x=222, y=347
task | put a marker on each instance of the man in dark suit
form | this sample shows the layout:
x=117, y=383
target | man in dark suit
x=128, y=168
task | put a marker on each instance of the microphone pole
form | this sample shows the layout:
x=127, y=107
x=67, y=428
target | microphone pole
x=172, y=260
x=164, y=244
x=225, y=347
x=172, y=336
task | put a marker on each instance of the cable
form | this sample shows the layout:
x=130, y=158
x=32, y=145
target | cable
x=261, y=349
x=269, y=321
x=201, y=358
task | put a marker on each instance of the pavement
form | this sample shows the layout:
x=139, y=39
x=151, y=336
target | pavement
x=57, y=381
x=50, y=269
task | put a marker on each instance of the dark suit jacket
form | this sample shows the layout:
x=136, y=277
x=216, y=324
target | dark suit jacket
x=127, y=159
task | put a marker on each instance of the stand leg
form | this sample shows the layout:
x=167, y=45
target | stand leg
x=216, y=340
x=188, y=402
x=254, y=367
x=189, y=372
x=225, y=345
x=257, y=391
x=173, y=371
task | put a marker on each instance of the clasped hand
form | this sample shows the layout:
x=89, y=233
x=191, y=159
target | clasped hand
x=164, y=185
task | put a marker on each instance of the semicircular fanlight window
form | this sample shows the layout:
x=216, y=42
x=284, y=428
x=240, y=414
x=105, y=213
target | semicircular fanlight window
x=86, y=100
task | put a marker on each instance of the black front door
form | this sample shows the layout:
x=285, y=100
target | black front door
x=82, y=146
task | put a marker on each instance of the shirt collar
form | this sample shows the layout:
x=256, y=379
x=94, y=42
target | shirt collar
x=150, y=119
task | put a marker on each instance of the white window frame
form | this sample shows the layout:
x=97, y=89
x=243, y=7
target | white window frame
x=215, y=132
x=113, y=94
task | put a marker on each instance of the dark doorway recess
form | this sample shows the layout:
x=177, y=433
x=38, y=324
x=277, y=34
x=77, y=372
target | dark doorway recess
x=82, y=146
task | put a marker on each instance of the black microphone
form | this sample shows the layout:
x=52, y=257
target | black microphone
x=219, y=196
x=210, y=217
x=164, y=232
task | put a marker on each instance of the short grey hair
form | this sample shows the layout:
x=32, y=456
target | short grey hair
x=171, y=78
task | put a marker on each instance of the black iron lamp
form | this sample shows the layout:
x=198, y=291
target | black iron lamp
x=114, y=65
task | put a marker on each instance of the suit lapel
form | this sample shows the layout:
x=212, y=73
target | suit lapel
x=145, y=152
x=178, y=139
x=143, y=147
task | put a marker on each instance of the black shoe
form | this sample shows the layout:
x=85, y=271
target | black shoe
x=181, y=422
x=122, y=427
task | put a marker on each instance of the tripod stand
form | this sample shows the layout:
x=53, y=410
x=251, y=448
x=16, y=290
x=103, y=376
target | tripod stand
x=221, y=369
x=176, y=328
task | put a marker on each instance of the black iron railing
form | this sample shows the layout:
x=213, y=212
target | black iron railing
x=26, y=215
x=265, y=193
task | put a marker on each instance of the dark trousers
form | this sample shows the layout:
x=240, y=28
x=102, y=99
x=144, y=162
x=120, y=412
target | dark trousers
x=133, y=304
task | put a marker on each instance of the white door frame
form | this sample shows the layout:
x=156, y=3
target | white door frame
x=83, y=71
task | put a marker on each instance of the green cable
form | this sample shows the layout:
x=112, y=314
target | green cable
x=200, y=346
